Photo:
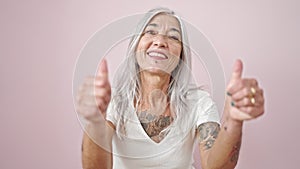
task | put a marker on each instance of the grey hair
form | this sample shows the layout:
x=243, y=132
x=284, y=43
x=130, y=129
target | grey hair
x=126, y=84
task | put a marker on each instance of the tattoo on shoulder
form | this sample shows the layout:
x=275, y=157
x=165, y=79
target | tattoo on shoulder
x=208, y=132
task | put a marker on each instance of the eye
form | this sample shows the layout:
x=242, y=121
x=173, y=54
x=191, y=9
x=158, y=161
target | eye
x=150, y=32
x=175, y=38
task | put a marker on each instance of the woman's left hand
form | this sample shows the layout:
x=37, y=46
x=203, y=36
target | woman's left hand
x=245, y=98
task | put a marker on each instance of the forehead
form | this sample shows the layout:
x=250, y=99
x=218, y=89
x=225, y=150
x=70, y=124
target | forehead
x=165, y=20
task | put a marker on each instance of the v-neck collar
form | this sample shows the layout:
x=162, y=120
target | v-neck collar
x=142, y=130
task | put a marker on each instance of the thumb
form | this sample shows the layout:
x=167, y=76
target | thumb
x=237, y=70
x=102, y=69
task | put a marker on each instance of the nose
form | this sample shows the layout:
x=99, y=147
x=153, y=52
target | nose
x=160, y=41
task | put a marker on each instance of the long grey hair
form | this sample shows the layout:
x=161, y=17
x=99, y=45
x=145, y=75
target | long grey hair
x=127, y=84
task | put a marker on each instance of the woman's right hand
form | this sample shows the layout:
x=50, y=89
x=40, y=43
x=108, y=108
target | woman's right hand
x=94, y=95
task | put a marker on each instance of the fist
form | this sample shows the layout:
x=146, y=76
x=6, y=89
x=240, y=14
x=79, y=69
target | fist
x=94, y=95
x=245, y=98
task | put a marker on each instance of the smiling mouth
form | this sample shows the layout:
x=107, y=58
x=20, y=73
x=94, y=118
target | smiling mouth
x=157, y=55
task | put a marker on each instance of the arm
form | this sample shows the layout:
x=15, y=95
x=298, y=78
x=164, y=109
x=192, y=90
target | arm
x=91, y=104
x=220, y=146
x=93, y=155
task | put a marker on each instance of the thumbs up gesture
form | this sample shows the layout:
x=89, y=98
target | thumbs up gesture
x=245, y=98
x=94, y=95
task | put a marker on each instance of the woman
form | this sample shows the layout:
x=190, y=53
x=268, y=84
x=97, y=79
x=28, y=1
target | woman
x=155, y=116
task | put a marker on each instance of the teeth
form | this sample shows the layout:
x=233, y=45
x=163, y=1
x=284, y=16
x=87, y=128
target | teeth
x=152, y=54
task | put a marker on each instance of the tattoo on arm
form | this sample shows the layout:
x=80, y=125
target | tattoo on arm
x=208, y=132
x=234, y=155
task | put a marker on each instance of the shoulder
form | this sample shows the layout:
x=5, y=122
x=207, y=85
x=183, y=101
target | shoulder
x=199, y=97
x=202, y=106
x=195, y=92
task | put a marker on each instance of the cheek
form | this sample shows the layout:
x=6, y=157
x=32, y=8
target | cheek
x=176, y=50
x=142, y=44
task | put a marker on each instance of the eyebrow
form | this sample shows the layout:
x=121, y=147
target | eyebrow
x=156, y=25
x=174, y=29
x=152, y=24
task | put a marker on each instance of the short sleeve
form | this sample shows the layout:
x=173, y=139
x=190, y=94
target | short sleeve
x=209, y=114
x=111, y=115
x=204, y=107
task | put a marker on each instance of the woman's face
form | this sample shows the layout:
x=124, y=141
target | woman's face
x=160, y=45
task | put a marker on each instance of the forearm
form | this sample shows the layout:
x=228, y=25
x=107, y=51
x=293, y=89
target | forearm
x=244, y=101
x=96, y=147
x=225, y=151
x=93, y=156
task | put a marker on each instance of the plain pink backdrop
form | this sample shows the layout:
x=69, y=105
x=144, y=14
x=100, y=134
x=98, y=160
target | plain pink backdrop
x=40, y=41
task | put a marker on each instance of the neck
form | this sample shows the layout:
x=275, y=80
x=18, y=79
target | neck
x=154, y=87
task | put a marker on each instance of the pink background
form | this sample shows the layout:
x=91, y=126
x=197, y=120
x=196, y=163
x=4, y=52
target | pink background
x=40, y=41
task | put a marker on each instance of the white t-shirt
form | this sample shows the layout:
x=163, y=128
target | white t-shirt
x=136, y=149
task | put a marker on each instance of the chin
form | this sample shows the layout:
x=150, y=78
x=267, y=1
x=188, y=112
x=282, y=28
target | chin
x=156, y=70
x=157, y=66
